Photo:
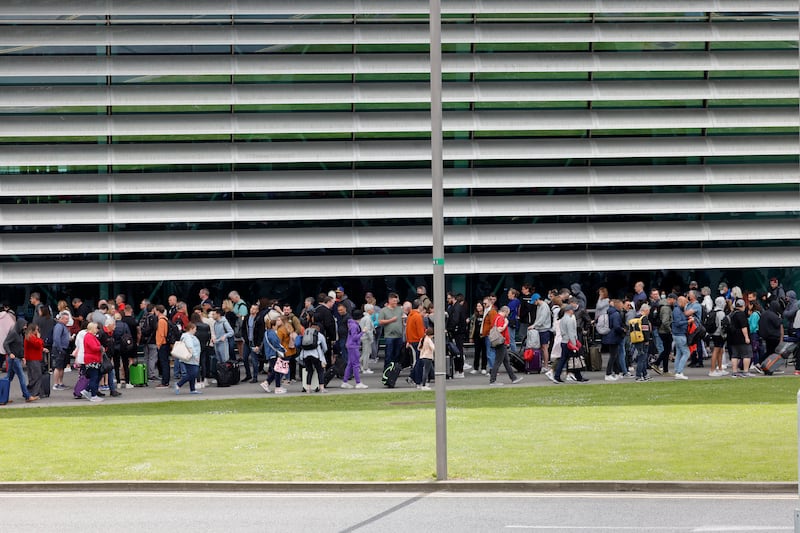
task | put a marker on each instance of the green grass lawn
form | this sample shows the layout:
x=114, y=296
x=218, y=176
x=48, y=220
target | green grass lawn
x=711, y=430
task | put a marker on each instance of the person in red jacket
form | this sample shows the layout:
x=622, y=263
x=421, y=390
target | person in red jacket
x=92, y=359
x=33, y=349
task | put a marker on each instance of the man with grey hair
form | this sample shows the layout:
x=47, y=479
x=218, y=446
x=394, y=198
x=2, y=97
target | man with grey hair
x=501, y=351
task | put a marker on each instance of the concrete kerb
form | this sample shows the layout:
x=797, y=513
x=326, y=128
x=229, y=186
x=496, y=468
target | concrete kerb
x=644, y=487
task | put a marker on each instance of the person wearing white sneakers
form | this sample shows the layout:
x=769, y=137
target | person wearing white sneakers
x=312, y=358
x=717, y=341
x=426, y=347
x=680, y=324
x=501, y=351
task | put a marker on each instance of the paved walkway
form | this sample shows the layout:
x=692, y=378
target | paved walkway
x=252, y=390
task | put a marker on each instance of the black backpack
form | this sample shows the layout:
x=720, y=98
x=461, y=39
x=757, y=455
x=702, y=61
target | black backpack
x=173, y=332
x=655, y=317
x=710, y=322
x=147, y=328
x=726, y=326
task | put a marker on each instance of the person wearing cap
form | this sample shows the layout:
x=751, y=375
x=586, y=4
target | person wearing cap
x=543, y=323
x=680, y=326
x=775, y=293
x=739, y=340
x=342, y=298
x=725, y=292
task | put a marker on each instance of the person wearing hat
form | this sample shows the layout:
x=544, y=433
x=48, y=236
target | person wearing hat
x=739, y=340
x=342, y=298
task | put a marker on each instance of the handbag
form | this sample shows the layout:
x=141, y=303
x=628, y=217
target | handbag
x=107, y=365
x=181, y=352
x=576, y=362
x=576, y=346
x=495, y=337
x=281, y=366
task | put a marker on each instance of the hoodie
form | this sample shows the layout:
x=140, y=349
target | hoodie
x=13, y=342
x=719, y=311
x=575, y=288
x=617, y=333
x=354, y=334
x=791, y=307
x=769, y=325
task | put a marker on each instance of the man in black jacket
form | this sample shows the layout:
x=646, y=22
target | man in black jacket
x=253, y=337
x=324, y=318
x=457, y=328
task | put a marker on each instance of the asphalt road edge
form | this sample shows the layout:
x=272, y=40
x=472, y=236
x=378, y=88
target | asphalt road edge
x=681, y=487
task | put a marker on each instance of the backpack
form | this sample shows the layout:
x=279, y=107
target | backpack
x=310, y=339
x=725, y=326
x=146, y=327
x=126, y=343
x=173, y=332
x=635, y=330
x=710, y=321
x=655, y=317
x=602, y=326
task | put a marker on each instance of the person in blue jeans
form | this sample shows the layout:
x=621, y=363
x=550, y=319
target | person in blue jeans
x=15, y=351
x=191, y=368
x=680, y=325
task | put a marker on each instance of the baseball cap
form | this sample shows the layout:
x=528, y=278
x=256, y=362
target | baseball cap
x=339, y=289
x=535, y=296
x=672, y=295
x=571, y=307
x=740, y=303
x=723, y=286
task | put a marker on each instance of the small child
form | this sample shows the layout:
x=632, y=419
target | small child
x=426, y=347
x=353, y=346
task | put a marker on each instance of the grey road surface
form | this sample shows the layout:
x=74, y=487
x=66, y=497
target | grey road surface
x=401, y=512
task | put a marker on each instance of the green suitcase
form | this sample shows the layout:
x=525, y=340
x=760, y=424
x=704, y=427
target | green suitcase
x=138, y=375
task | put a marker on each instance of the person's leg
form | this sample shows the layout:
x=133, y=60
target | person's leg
x=562, y=362
x=641, y=360
x=613, y=357
x=622, y=364
x=391, y=347
x=458, y=361
x=503, y=353
x=491, y=353
x=681, y=353
x=544, y=339
x=657, y=340
x=663, y=358
x=116, y=358
x=126, y=368
x=355, y=364
x=163, y=360
x=245, y=351
x=34, y=377
x=512, y=336
x=151, y=359
x=255, y=363
x=363, y=354
x=498, y=360
x=93, y=374
x=426, y=371
x=191, y=375
x=317, y=365
x=348, y=371
x=15, y=369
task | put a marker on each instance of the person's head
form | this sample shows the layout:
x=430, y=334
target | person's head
x=451, y=299
x=143, y=304
x=128, y=310
x=691, y=296
x=393, y=300
x=682, y=301
x=479, y=308
x=493, y=298
x=286, y=309
x=203, y=294
x=504, y=310
x=421, y=290
x=773, y=283
x=429, y=332
x=512, y=293
x=309, y=302
x=705, y=291
x=655, y=294
x=527, y=289
x=76, y=302
x=62, y=305
x=693, y=285
x=536, y=299
x=215, y=314
x=556, y=300
x=571, y=308
x=254, y=308
x=339, y=292
x=328, y=302
x=234, y=296
x=644, y=309
x=638, y=287
x=616, y=304
x=31, y=331
x=407, y=307
x=92, y=328
x=35, y=298
x=602, y=292
x=341, y=309
x=723, y=287
x=369, y=309
x=120, y=299
x=110, y=323
x=44, y=312
x=181, y=307
x=672, y=298
x=191, y=327
x=63, y=317
x=739, y=304
x=418, y=305
x=161, y=310
x=227, y=306
x=172, y=300
x=736, y=292
x=358, y=314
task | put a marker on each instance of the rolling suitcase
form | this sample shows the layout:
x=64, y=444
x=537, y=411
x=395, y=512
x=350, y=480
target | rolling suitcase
x=44, y=385
x=137, y=374
x=80, y=385
x=516, y=360
x=5, y=386
x=533, y=360
x=594, y=359
x=773, y=364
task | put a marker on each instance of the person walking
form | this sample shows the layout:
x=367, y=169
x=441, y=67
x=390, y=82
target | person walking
x=192, y=366
x=32, y=355
x=501, y=351
x=15, y=352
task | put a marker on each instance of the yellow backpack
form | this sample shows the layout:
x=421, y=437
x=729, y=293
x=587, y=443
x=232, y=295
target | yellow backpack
x=635, y=330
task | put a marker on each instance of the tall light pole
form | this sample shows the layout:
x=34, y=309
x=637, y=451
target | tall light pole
x=437, y=204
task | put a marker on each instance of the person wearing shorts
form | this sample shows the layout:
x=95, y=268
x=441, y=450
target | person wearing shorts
x=739, y=341
x=59, y=353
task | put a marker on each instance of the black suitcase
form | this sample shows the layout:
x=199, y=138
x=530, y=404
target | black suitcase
x=44, y=385
x=391, y=374
x=228, y=374
x=336, y=370
x=517, y=361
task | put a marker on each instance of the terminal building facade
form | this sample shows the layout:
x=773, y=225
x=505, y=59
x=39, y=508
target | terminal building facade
x=285, y=146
